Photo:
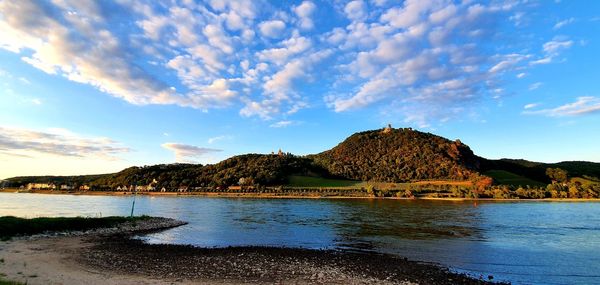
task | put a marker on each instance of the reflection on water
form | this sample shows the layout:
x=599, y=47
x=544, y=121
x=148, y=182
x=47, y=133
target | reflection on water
x=528, y=243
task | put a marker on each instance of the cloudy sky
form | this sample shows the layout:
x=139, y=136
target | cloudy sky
x=96, y=86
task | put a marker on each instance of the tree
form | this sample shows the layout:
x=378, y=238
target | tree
x=557, y=175
x=371, y=190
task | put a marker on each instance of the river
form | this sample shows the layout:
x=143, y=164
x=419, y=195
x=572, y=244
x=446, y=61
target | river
x=520, y=242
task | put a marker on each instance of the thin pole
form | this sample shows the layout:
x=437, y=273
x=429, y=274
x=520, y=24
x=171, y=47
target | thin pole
x=134, y=194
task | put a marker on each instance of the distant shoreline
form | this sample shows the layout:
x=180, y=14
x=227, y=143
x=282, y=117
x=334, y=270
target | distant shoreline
x=282, y=196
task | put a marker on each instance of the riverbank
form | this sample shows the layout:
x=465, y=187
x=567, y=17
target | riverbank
x=111, y=256
x=281, y=196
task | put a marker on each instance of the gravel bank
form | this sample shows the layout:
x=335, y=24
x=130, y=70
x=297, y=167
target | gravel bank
x=110, y=256
x=262, y=265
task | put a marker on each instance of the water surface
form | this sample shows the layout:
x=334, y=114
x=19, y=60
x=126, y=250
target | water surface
x=522, y=242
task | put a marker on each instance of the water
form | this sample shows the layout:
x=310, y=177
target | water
x=521, y=242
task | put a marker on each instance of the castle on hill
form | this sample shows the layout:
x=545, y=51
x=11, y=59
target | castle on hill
x=387, y=129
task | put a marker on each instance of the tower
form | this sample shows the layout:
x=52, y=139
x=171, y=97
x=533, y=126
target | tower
x=387, y=129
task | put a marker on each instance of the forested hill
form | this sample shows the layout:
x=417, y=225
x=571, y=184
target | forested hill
x=537, y=170
x=395, y=155
x=249, y=169
x=384, y=155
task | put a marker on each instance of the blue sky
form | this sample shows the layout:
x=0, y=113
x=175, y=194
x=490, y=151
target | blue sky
x=96, y=86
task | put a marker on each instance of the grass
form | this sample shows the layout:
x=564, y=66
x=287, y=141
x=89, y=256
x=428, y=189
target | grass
x=314, y=182
x=309, y=181
x=444, y=182
x=6, y=282
x=584, y=181
x=509, y=178
x=12, y=226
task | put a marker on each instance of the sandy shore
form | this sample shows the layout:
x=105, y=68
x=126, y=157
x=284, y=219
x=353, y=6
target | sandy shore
x=110, y=256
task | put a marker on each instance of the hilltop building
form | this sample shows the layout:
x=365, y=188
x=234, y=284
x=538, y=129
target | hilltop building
x=387, y=129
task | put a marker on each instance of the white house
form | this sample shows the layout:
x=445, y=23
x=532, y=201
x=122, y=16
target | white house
x=66, y=187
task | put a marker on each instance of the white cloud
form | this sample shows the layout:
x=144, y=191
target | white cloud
x=425, y=56
x=519, y=18
x=80, y=50
x=535, y=86
x=36, y=101
x=290, y=47
x=555, y=46
x=414, y=11
x=57, y=142
x=224, y=53
x=531, y=106
x=188, y=153
x=563, y=23
x=304, y=12
x=153, y=26
x=508, y=62
x=552, y=49
x=283, y=124
x=581, y=106
x=24, y=80
x=218, y=138
x=234, y=21
x=443, y=14
x=544, y=60
x=356, y=10
x=272, y=29
x=281, y=82
x=217, y=38
x=278, y=88
x=245, y=8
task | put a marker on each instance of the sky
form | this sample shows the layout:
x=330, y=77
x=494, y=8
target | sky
x=98, y=86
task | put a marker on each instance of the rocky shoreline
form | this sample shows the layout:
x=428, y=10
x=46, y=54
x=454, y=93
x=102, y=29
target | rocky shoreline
x=151, y=224
x=260, y=265
x=112, y=256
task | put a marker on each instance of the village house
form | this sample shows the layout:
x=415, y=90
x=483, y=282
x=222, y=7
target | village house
x=84, y=188
x=40, y=186
x=182, y=189
x=66, y=187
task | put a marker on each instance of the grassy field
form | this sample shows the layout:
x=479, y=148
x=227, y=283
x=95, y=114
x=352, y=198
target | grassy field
x=509, y=178
x=6, y=282
x=444, y=182
x=309, y=181
x=583, y=181
x=13, y=226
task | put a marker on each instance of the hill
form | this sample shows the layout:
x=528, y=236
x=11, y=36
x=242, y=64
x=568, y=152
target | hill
x=262, y=169
x=536, y=171
x=399, y=155
x=378, y=156
x=79, y=179
x=249, y=169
